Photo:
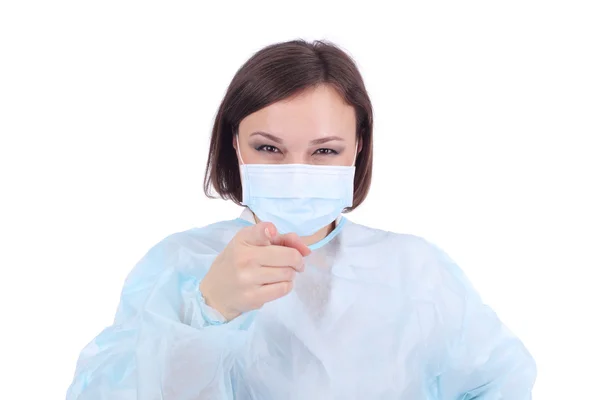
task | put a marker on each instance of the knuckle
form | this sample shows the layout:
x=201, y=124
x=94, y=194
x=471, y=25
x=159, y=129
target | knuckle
x=242, y=257
x=294, y=236
x=244, y=276
x=255, y=303
x=249, y=300
x=286, y=287
x=297, y=258
x=289, y=274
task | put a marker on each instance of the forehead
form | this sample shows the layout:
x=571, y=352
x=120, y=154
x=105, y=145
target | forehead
x=314, y=113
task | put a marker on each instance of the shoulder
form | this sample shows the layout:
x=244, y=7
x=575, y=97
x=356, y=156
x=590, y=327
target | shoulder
x=190, y=249
x=212, y=236
x=421, y=273
x=413, y=259
x=407, y=246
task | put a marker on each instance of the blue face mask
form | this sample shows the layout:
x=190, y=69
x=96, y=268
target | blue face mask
x=299, y=198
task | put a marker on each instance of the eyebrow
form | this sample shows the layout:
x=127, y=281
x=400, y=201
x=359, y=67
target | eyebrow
x=268, y=136
x=313, y=142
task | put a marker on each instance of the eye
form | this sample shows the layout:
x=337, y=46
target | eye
x=268, y=148
x=325, y=152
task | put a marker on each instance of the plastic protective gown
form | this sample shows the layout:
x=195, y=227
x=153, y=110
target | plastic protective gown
x=375, y=315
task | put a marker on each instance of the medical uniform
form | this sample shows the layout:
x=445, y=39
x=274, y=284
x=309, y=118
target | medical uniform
x=375, y=315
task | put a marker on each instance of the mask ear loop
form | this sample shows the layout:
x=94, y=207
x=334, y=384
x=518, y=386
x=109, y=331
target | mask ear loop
x=355, y=158
x=239, y=154
x=238, y=151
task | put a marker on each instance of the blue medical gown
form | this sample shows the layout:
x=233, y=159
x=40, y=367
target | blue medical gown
x=375, y=315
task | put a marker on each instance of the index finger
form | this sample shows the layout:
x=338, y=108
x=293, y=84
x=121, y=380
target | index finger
x=291, y=240
x=260, y=234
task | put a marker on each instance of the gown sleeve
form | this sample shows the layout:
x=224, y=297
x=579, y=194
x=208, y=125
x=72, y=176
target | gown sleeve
x=165, y=342
x=485, y=360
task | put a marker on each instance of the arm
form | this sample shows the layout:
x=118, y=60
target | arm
x=485, y=360
x=164, y=343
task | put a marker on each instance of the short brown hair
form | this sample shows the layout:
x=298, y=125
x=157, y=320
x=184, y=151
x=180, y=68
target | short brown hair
x=275, y=73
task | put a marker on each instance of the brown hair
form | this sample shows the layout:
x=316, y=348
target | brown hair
x=275, y=73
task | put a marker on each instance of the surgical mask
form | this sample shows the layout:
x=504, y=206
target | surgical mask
x=299, y=198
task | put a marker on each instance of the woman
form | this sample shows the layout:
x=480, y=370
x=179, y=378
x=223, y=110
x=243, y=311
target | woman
x=291, y=300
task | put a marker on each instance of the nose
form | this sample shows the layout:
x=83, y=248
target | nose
x=296, y=158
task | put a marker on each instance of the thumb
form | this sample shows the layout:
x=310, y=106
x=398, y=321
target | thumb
x=260, y=234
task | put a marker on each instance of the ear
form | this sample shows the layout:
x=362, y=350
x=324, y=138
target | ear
x=234, y=142
x=360, y=145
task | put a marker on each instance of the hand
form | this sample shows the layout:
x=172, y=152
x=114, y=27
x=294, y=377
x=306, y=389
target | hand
x=256, y=267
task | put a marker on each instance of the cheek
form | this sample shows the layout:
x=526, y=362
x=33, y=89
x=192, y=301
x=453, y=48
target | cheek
x=349, y=157
x=351, y=154
x=343, y=159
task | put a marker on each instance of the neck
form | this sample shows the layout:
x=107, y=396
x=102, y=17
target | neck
x=315, y=237
x=319, y=235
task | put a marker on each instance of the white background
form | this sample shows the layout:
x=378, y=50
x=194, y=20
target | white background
x=486, y=143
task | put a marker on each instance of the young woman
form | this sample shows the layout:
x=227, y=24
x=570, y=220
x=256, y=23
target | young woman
x=291, y=300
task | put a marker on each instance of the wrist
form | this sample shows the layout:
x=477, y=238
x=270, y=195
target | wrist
x=215, y=313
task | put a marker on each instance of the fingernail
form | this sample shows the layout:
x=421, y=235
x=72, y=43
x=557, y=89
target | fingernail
x=268, y=233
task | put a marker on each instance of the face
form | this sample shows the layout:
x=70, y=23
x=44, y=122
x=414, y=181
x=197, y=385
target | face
x=314, y=127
